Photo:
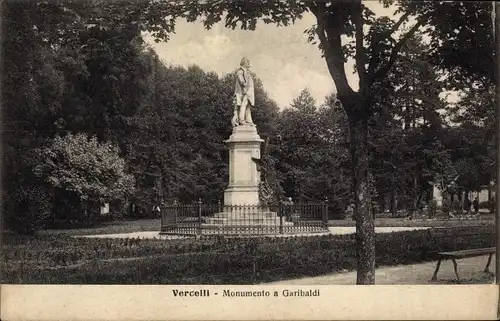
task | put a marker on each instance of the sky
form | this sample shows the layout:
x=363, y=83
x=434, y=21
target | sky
x=280, y=56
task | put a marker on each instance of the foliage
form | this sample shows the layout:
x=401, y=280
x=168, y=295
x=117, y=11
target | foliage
x=446, y=206
x=81, y=165
x=471, y=140
x=28, y=207
x=305, y=102
x=461, y=39
x=312, y=154
x=341, y=30
x=182, y=131
x=432, y=208
x=26, y=200
x=456, y=207
x=408, y=132
x=213, y=260
x=83, y=68
x=64, y=74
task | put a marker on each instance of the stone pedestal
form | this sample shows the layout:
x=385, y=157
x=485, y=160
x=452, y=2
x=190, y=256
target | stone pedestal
x=244, y=178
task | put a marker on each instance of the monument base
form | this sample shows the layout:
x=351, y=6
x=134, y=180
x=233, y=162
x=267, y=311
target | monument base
x=241, y=195
x=245, y=223
x=250, y=219
x=244, y=177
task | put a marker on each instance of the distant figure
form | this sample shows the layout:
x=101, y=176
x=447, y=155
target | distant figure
x=288, y=208
x=467, y=204
x=156, y=210
x=350, y=211
x=475, y=204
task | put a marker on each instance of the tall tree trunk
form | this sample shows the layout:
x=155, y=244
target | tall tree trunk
x=365, y=229
x=414, y=196
x=420, y=195
x=356, y=106
x=381, y=203
x=393, y=205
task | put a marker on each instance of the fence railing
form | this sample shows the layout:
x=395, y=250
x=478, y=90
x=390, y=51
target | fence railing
x=282, y=218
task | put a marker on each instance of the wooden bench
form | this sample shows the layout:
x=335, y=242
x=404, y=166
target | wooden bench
x=436, y=233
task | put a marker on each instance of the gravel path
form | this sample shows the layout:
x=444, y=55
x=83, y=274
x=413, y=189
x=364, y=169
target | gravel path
x=337, y=230
x=469, y=268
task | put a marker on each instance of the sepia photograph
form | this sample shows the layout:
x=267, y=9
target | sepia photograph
x=266, y=144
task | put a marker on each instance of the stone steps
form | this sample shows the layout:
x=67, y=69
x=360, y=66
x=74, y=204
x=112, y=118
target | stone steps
x=237, y=214
x=243, y=230
x=247, y=219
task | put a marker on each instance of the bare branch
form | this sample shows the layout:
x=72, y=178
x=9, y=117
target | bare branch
x=329, y=35
x=319, y=12
x=399, y=23
x=380, y=37
x=397, y=48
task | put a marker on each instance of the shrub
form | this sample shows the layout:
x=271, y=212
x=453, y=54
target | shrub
x=432, y=208
x=85, y=171
x=213, y=260
x=446, y=207
x=26, y=207
x=456, y=207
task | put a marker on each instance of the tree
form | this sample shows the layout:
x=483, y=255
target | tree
x=407, y=130
x=373, y=60
x=304, y=102
x=472, y=137
x=68, y=69
x=185, y=117
x=461, y=39
x=84, y=170
x=86, y=70
x=462, y=47
x=311, y=156
x=27, y=202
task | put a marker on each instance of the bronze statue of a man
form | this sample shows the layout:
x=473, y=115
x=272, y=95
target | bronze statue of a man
x=244, y=94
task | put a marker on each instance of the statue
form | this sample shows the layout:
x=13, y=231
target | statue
x=244, y=95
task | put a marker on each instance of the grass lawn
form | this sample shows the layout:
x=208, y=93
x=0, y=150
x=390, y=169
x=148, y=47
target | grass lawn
x=484, y=219
x=125, y=226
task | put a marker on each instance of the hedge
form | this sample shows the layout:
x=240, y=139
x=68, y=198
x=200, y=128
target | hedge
x=67, y=260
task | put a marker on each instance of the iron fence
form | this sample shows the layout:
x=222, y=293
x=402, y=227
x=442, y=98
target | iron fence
x=218, y=219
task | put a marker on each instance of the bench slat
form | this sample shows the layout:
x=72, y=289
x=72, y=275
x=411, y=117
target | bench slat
x=468, y=253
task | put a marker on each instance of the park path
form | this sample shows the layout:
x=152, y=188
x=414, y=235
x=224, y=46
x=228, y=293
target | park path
x=336, y=230
x=405, y=274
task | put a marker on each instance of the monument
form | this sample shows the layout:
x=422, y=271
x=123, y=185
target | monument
x=244, y=144
x=243, y=210
x=251, y=206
